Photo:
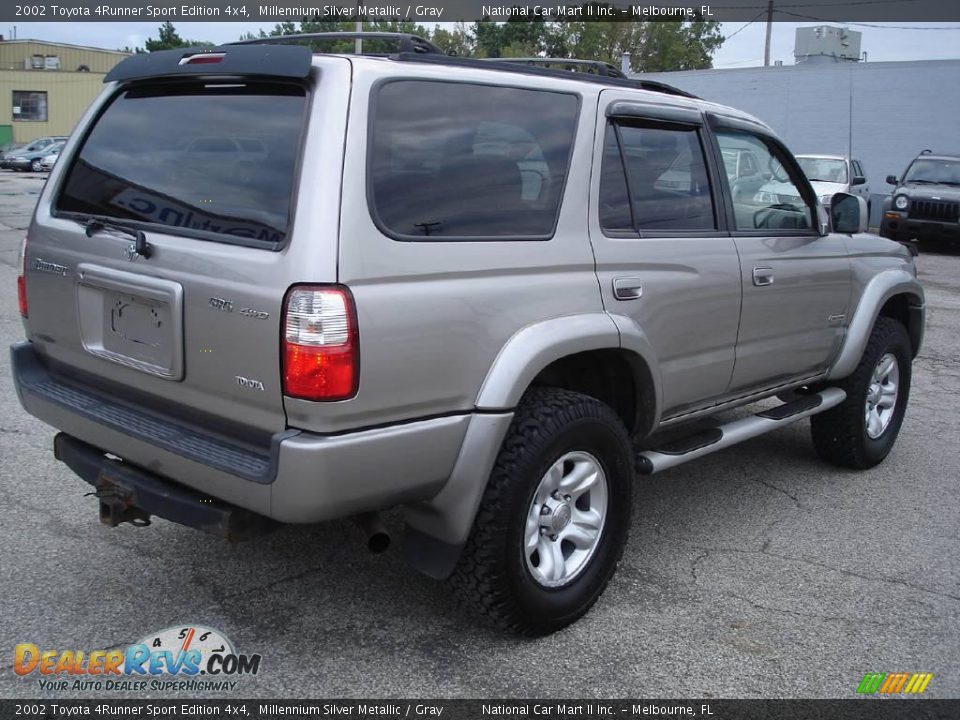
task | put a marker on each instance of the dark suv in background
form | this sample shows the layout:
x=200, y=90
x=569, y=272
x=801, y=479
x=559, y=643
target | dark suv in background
x=925, y=203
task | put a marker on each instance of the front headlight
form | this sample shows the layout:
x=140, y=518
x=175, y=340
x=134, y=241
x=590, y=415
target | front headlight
x=901, y=202
x=766, y=197
x=825, y=199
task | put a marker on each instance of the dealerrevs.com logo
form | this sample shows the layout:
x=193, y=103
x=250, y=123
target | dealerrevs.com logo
x=184, y=658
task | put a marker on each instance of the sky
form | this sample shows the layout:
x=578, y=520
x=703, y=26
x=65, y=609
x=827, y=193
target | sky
x=744, y=47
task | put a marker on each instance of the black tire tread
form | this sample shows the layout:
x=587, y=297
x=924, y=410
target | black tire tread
x=835, y=432
x=479, y=581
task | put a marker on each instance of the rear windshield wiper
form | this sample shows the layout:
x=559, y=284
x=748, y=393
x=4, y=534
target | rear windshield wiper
x=140, y=245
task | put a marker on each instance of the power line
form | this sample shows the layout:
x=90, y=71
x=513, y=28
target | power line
x=745, y=26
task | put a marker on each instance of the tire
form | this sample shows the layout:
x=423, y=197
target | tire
x=35, y=166
x=496, y=575
x=842, y=435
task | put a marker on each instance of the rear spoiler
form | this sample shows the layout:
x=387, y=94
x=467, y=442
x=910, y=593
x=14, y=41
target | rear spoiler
x=287, y=61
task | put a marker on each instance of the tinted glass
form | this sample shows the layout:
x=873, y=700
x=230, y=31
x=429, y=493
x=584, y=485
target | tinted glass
x=666, y=176
x=464, y=161
x=173, y=157
x=769, y=200
x=946, y=172
x=823, y=169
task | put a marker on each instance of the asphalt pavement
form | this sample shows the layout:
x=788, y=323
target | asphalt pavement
x=758, y=571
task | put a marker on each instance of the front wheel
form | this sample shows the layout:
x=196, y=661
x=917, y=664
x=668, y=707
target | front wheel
x=860, y=432
x=554, y=518
x=35, y=166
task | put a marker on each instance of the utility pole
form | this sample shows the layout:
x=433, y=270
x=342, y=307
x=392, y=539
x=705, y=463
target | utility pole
x=358, y=26
x=766, y=47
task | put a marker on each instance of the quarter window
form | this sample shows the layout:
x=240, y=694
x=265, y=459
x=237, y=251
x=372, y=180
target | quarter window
x=770, y=199
x=462, y=161
x=664, y=185
x=29, y=105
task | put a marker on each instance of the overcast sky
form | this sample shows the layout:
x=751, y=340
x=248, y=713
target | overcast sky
x=744, y=49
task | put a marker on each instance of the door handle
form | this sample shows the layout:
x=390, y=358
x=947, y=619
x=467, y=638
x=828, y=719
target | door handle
x=627, y=288
x=763, y=276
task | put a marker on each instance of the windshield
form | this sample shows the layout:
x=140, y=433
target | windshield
x=171, y=156
x=823, y=169
x=946, y=172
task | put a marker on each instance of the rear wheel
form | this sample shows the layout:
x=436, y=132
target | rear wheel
x=860, y=432
x=553, y=520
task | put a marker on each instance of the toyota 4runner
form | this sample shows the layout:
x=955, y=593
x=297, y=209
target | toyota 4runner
x=472, y=290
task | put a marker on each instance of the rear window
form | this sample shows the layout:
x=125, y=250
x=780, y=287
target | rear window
x=212, y=161
x=461, y=161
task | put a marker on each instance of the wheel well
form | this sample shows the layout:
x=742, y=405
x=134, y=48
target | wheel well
x=899, y=308
x=619, y=378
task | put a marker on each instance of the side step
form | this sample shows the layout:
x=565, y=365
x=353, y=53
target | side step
x=705, y=442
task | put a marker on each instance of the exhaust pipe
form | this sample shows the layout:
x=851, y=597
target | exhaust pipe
x=378, y=538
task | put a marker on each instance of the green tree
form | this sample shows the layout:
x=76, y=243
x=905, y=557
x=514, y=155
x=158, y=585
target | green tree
x=170, y=38
x=653, y=45
x=459, y=41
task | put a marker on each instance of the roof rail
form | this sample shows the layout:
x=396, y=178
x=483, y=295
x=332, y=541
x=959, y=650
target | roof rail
x=413, y=48
x=598, y=67
x=407, y=43
x=504, y=65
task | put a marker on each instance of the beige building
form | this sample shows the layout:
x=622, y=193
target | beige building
x=45, y=87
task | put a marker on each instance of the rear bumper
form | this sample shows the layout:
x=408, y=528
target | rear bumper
x=293, y=476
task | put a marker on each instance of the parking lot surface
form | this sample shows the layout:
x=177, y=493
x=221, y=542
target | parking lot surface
x=755, y=572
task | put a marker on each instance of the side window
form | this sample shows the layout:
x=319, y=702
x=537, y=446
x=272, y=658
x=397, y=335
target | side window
x=770, y=199
x=857, y=168
x=463, y=161
x=664, y=185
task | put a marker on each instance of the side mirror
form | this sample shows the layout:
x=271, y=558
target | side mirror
x=891, y=179
x=859, y=180
x=848, y=214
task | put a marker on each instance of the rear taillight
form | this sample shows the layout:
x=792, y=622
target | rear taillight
x=22, y=279
x=321, y=347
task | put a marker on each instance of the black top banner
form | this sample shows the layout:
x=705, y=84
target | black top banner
x=913, y=11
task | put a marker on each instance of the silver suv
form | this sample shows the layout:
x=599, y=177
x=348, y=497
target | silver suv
x=472, y=290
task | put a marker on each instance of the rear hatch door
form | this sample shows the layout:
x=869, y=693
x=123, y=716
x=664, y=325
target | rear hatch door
x=160, y=255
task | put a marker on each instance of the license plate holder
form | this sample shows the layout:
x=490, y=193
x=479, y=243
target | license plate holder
x=132, y=320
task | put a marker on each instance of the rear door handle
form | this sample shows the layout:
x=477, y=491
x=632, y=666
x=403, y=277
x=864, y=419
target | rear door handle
x=627, y=288
x=763, y=276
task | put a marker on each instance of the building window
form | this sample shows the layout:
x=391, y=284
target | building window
x=29, y=105
x=51, y=62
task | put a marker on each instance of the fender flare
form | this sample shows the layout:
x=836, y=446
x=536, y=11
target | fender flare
x=436, y=530
x=534, y=347
x=882, y=287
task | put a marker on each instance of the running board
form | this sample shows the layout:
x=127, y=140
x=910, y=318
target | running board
x=707, y=441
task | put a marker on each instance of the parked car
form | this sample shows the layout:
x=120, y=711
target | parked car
x=743, y=172
x=467, y=289
x=30, y=156
x=48, y=161
x=828, y=174
x=925, y=203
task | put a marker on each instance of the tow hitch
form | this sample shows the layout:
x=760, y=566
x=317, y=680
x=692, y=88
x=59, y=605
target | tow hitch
x=131, y=494
x=116, y=506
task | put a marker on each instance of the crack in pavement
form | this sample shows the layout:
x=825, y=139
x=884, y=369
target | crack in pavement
x=842, y=571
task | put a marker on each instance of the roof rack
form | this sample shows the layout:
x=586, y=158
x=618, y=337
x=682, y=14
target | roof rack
x=504, y=65
x=413, y=48
x=407, y=43
x=598, y=67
